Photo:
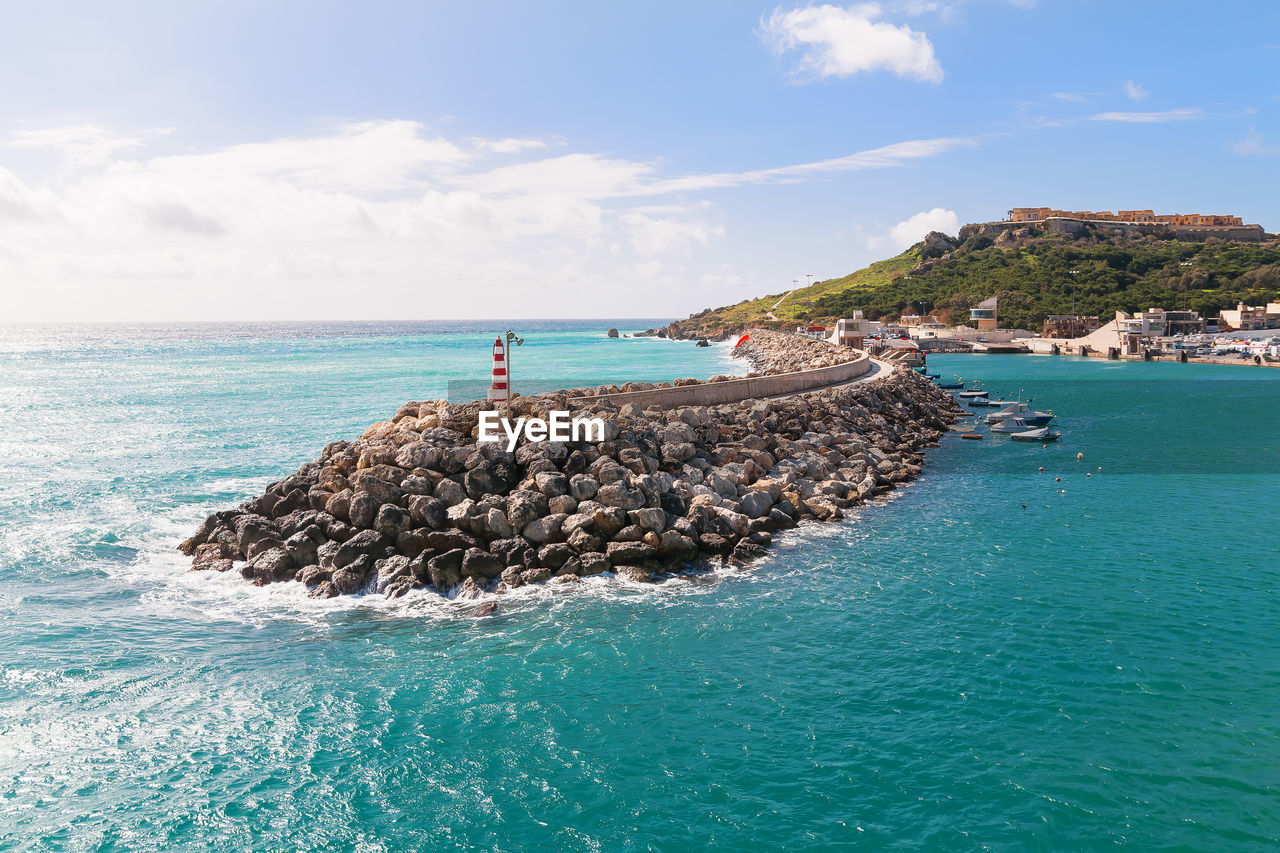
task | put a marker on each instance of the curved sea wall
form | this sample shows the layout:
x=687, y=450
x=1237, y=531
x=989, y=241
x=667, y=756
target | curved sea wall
x=788, y=365
x=417, y=502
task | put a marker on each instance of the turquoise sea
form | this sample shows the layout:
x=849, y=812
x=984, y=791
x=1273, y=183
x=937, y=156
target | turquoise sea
x=998, y=658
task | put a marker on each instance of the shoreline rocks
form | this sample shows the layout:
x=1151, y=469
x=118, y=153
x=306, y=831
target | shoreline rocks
x=415, y=502
x=778, y=352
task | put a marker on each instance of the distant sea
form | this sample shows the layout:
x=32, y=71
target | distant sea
x=1084, y=657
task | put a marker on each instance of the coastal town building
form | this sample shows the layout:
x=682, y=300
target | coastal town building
x=984, y=316
x=1250, y=318
x=929, y=327
x=849, y=331
x=1137, y=332
x=1146, y=217
x=1069, y=325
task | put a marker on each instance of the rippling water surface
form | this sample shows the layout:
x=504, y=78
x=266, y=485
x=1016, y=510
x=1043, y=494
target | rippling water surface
x=993, y=658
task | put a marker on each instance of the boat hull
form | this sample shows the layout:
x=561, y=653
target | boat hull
x=1037, y=436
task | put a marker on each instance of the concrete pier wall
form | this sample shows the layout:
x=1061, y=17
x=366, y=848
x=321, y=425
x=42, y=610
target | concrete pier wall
x=734, y=390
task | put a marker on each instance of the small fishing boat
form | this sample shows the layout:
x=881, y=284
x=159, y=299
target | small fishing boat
x=1041, y=434
x=927, y=375
x=949, y=386
x=980, y=402
x=972, y=436
x=971, y=395
x=1023, y=412
x=1011, y=425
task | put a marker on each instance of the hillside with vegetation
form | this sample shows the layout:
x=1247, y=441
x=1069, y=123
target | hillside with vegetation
x=1033, y=273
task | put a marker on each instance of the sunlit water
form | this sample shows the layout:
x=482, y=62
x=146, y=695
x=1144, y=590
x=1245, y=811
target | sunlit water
x=991, y=659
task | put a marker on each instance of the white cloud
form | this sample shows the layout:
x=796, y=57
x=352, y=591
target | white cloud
x=665, y=235
x=912, y=230
x=1135, y=91
x=1254, y=146
x=367, y=220
x=1181, y=114
x=84, y=145
x=897, y=154
x=840, y=42
x=507, y=146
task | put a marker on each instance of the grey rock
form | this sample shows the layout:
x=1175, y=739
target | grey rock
x=630, y=553
x=445, y=570
x=366, y=542
x=583, y=487
x=420, y=454
x=543, y=530
x=621, y=495
x=450, y=492
x=392, y=521
x=481, y=564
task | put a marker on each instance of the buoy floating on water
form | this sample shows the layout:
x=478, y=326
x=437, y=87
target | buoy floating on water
x=498, y=390
x=1079, y=455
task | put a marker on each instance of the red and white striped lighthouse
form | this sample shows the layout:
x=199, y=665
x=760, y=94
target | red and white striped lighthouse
x=498, y=391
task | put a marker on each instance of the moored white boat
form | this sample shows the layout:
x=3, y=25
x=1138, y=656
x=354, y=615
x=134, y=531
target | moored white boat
x=1041, y=434
x=1021, y=411
x=1011, y=425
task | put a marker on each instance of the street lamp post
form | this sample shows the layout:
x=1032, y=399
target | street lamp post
x=511, y=338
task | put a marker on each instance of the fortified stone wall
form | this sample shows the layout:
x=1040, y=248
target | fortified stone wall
x=1076, y=227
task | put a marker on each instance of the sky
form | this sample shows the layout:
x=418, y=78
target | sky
x=246, y=161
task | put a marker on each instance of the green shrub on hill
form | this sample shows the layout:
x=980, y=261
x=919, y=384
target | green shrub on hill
x=1052, y=276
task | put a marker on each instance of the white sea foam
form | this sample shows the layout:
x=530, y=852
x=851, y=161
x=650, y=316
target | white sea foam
x=170, y=586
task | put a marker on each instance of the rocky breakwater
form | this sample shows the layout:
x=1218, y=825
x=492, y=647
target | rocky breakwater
x=772, y=352
x=417, y=503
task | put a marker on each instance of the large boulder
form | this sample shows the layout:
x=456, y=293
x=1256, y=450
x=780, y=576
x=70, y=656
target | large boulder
x=488, y=478
x=392, y=521
x=583, y=487
x=445, y=570
x=420, y=454
x=756, y=503
x=381, y=490
x=389, y=570
x=366, y=542
x=481, y=564
x=352, y=578
x=620, y=494
x=543, y=530
x=675, y=546
x=271, y=565
x=630, y=553
x=523, y=506
x=364, y=510
x=252, y=531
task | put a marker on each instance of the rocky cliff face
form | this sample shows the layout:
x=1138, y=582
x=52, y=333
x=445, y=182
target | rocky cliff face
x=416, y=503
